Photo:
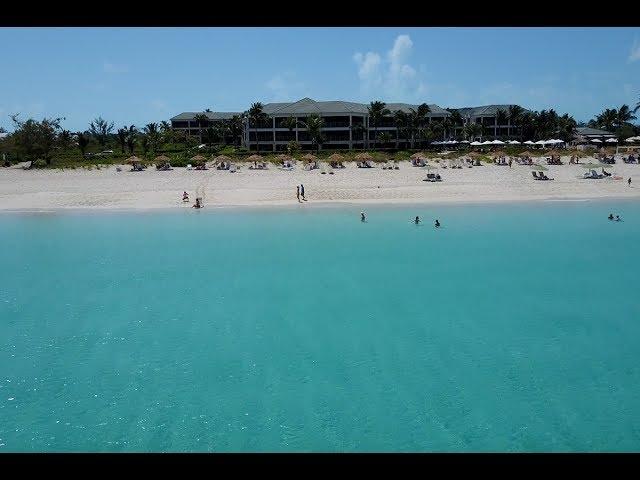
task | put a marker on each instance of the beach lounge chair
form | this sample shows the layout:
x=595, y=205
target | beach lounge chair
x=232, y=168
x=535, y=175
x=544, y=177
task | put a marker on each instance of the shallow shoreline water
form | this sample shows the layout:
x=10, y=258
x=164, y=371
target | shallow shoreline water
x=511, y=328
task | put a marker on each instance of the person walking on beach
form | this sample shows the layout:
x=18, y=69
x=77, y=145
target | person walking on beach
x=298, y=193
x=629, y=181
x=302, y=192
x=510, y=162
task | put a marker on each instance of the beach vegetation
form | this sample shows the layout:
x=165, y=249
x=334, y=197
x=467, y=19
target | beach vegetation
x=101, y=129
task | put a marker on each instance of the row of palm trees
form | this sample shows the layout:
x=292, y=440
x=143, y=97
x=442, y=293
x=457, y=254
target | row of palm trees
x=614, y=119
x=416, y=125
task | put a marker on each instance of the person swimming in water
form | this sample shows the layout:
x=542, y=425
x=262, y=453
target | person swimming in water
x=437, y=223
x=417, y=220
x=610, y=217
x=618, y=218
x=362, y=217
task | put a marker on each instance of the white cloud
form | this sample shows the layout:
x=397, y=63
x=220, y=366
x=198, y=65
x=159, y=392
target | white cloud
x=634, y=55
x=285, y=87
x=392, y=76
x=109, y=67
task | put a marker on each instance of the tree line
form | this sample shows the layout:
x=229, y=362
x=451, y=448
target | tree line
x=39, y=140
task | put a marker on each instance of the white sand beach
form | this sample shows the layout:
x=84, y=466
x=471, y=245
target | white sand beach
x=109, y=189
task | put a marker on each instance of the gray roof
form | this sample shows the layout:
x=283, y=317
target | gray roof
x=484, y=110
x=211, y=115
x=585, y=131
x=307, y=106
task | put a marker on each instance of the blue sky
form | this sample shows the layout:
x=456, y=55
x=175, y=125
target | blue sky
x=139, y=75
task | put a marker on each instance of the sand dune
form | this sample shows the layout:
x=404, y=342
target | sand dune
x=107, y=188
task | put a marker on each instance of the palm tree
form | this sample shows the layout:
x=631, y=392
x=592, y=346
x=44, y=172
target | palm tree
x=515, y=116
x=234, y=127
x=359, y=129
x=83, y=142
x=501, y=119
x=290, y=123
x=314, y=124
x=131, y=138
x=64, y=139
x=144, y=143
x=418, y=120
x=566, y=127
x=446, y=127
x=385, y=138
x=475, y=130
x=624, y=115
x=377, y=110
x=151, y=130
x=637, y=106
x=400, y=119
x=437, y=128
x=101, y=129
x=202, y=121
x=122, y=138
x=456, y=119
x=257, y=117
x=166, y=131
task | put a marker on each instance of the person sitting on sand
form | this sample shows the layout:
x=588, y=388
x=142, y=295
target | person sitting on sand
x=417, y=220
x=185, y=197
x=198, y=203
x=437, y=223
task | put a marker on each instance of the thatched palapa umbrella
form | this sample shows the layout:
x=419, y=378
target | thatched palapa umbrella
x=161, y=159
x=527, y=153
x=222, y=158
x=198, y=159
x=133, y=159
x=363, y=156
x=419, y=156
x=255, y=158
x=335, y=157
x=309, y=157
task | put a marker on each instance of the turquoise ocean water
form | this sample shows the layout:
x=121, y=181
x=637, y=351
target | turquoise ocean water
x=512, y=328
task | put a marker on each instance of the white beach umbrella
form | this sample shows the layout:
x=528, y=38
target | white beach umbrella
x=436, y=143
x=464, y=141
x=612, y=140
x=487, y=142
x=476, y=144
x=595, y=140
x=632, y=139
x=497, y=142
x=514, y=142
x=540, y=142
x=529, y=142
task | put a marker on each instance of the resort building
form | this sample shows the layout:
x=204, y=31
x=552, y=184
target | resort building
x=189, y=123
x=346, y=124
x=488, y=117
